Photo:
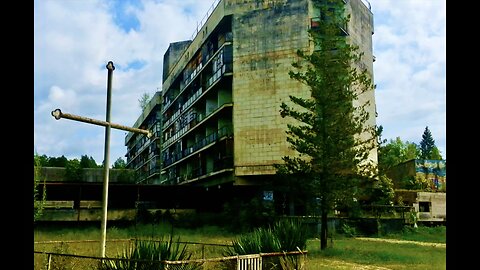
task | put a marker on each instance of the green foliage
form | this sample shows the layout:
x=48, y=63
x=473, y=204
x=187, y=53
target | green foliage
x=332, y=137
x=291, y=233
x=73, y=170
x=57, y=161
x=427, y=145
x=343, y=254
x=42, y=161
x=433, y=234
x=285, y=235
x=87, y=162
x=144, y=100
x=353, y=253
x=38, y=199
x=417, y=182
x=148, y=254
x=119, y=164
x=348, y=230
x=382, y=192
x=436, y=154
x=396, y=152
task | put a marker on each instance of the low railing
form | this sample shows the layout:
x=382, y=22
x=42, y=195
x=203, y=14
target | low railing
x=208, y=256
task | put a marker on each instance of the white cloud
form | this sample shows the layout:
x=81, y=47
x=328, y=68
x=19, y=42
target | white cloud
x=74, y=40
x=409, y=45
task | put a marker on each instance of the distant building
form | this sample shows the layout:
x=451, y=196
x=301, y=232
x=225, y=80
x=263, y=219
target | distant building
x=428, y=206
x=143, y=153
x=222, y=91
x=433, y=171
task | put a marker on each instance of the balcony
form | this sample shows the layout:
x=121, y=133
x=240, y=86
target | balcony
x=191, y=124
x=192, y=76
x=202, y=144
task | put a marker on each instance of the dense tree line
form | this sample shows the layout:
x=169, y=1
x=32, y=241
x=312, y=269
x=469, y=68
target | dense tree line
x=84, y=162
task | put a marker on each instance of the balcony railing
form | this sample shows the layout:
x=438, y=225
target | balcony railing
x=186, y=83
x=221, y=133
x=190, y=125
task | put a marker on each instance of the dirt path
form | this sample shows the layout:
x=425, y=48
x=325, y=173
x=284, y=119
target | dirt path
x=441, y=245
x=328, y=263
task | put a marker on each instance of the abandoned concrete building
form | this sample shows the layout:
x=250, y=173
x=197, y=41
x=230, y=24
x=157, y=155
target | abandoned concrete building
x=429, y=200
x=216, y=121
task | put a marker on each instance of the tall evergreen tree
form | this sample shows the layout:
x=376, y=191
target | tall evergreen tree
x=332, y=157
x=427, y=145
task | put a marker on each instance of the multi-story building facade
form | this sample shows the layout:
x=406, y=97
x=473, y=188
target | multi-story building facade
x=143, y=153
x=222, y=90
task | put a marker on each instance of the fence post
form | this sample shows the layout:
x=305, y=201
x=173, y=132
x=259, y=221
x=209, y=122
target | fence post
x=49, y=261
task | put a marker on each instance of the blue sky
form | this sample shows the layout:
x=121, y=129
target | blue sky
x=74, y=40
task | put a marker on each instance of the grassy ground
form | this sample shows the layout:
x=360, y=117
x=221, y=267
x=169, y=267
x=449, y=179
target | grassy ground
x=343, y=253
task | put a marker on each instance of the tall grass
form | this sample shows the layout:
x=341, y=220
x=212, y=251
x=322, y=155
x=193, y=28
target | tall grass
x=435, y=234
x=390, y=255
x=346, y=250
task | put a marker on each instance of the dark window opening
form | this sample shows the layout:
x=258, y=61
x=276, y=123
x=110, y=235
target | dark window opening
x=424, y=206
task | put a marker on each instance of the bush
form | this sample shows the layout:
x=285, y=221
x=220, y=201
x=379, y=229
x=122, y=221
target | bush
x=148, y=254
x=348, y=231
x=284, y=236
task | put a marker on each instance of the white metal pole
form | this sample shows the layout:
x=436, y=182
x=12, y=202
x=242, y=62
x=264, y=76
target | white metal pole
x=106, y=160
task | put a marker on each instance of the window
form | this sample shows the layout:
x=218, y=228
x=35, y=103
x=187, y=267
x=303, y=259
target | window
x=424, y=206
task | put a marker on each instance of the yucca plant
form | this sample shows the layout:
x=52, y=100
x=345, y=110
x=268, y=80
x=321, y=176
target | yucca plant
x=260, y=240
x=284, y=236
x=148, y=254
x=291, y=234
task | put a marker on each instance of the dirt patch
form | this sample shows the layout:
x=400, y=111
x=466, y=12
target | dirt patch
x=348, y=265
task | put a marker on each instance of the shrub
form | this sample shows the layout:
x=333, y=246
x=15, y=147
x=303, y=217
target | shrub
x=148, y=254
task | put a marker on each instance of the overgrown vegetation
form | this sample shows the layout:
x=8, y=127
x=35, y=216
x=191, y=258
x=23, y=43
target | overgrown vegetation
x=284, y=236
x=149, y=254
x=346, y=253
x=38, y=198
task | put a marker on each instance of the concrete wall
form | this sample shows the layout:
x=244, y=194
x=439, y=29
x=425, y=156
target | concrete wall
x=435, y=201
x=267, y=35
x=438, y=206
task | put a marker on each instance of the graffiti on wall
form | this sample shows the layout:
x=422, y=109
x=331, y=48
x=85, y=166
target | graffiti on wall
x=433, y=170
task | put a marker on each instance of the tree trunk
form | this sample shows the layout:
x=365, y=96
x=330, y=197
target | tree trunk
x=323, y=229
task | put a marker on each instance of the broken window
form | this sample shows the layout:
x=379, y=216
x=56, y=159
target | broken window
x=424, y=206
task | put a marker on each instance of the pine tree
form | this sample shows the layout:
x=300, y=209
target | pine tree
x=427, y=145
x=333, y=159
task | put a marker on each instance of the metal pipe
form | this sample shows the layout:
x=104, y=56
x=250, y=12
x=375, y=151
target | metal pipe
x=58, y=114
x=106, y=160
